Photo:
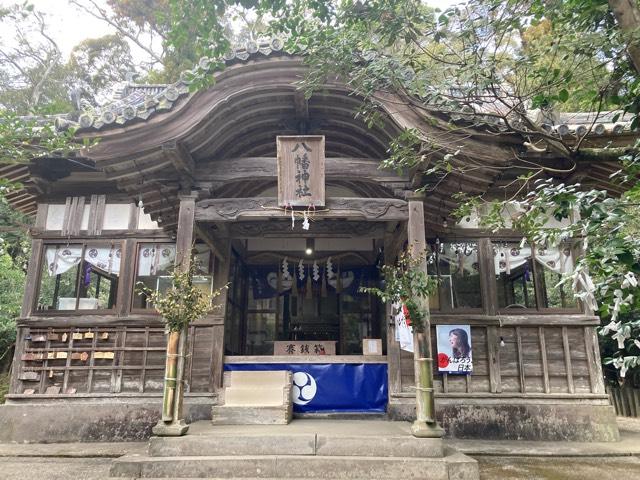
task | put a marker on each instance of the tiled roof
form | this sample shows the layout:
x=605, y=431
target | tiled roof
x=134, y=102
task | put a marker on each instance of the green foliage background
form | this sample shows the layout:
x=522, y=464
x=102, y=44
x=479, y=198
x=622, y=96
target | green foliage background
x=14, y=251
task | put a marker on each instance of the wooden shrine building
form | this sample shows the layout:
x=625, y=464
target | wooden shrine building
x=172, y=168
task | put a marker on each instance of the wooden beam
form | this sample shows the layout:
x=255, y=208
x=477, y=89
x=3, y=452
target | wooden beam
x=544, y=360
x=415, y=227
x=127, y=277
x=239, y=169
x=321, y=228
x=180, y=157
x=184, y=234
x=33, y=276
x=593, y=359
x=220, y=279
x=493, y=340
x=567, y=360
x=369, y=209
x=488, y=283
x=211, y=241
x=41, y=216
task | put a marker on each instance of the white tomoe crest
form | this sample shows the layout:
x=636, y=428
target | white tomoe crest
x=304, y=388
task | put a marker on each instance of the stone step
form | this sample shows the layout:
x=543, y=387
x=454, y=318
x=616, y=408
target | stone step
x=452, y=466
x=265, y=443
x=252, y=397
x=228, y=445
x=254, y=415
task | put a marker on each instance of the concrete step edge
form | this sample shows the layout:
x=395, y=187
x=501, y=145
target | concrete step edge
x=329, y=458
x=314, y=466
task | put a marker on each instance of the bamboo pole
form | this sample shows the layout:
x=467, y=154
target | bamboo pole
x=425, y=425
x=182, y=356
x=168, y=399
x=172, y=422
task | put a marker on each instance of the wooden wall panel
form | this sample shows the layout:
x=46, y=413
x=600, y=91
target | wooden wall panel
x=532, y=364
x=533, y=360
x=200, y=368
x=103, y=360
x=479, y=380
x=509, y=366
x=406, y=367
x=456, y=383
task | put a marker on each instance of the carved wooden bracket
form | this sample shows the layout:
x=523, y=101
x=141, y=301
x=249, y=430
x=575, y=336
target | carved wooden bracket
x=327, y=227
x=369, y=209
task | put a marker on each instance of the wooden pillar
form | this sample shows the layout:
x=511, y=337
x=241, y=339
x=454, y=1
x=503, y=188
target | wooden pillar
x=221, y=278
x=172, y=422
x=487, y=277
x=184, y=234
x=425, y=424
x=393, y=347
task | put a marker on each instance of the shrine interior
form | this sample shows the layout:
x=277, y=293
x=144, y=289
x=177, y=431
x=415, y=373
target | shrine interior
x=303, y=289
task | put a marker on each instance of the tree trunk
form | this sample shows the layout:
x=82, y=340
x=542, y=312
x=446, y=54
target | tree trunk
x=627, y=14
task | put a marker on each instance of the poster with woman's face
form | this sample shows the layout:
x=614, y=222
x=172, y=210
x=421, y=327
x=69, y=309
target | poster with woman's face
x=454, y=348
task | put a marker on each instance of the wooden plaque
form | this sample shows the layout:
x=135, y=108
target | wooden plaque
x=304, y=347
x=301, y=171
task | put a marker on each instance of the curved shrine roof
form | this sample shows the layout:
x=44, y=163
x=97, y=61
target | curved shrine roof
x=254, y=99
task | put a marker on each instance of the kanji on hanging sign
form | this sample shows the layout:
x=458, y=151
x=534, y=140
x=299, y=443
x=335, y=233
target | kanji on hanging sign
x=301, y=171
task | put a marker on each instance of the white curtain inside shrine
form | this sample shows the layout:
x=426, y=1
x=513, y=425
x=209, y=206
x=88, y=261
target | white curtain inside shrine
x=61, y=258
x=557, y=259
x=154, y=258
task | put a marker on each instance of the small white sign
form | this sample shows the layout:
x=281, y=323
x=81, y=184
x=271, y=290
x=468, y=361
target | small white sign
x=372, y=346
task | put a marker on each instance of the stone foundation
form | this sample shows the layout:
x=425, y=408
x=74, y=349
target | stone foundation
x=90, y=420
x=127, y=419
x=566, y=421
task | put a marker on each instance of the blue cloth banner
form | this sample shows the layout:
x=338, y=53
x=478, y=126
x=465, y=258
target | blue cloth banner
x=331, y=387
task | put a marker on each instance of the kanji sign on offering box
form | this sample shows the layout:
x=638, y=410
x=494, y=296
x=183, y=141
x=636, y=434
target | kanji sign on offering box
x=297, y=347
x=301, y=171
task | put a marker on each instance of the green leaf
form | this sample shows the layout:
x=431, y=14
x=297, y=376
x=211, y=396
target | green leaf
x=563, y=95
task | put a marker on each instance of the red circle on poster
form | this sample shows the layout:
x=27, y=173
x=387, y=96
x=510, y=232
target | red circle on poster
x=443, y=360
